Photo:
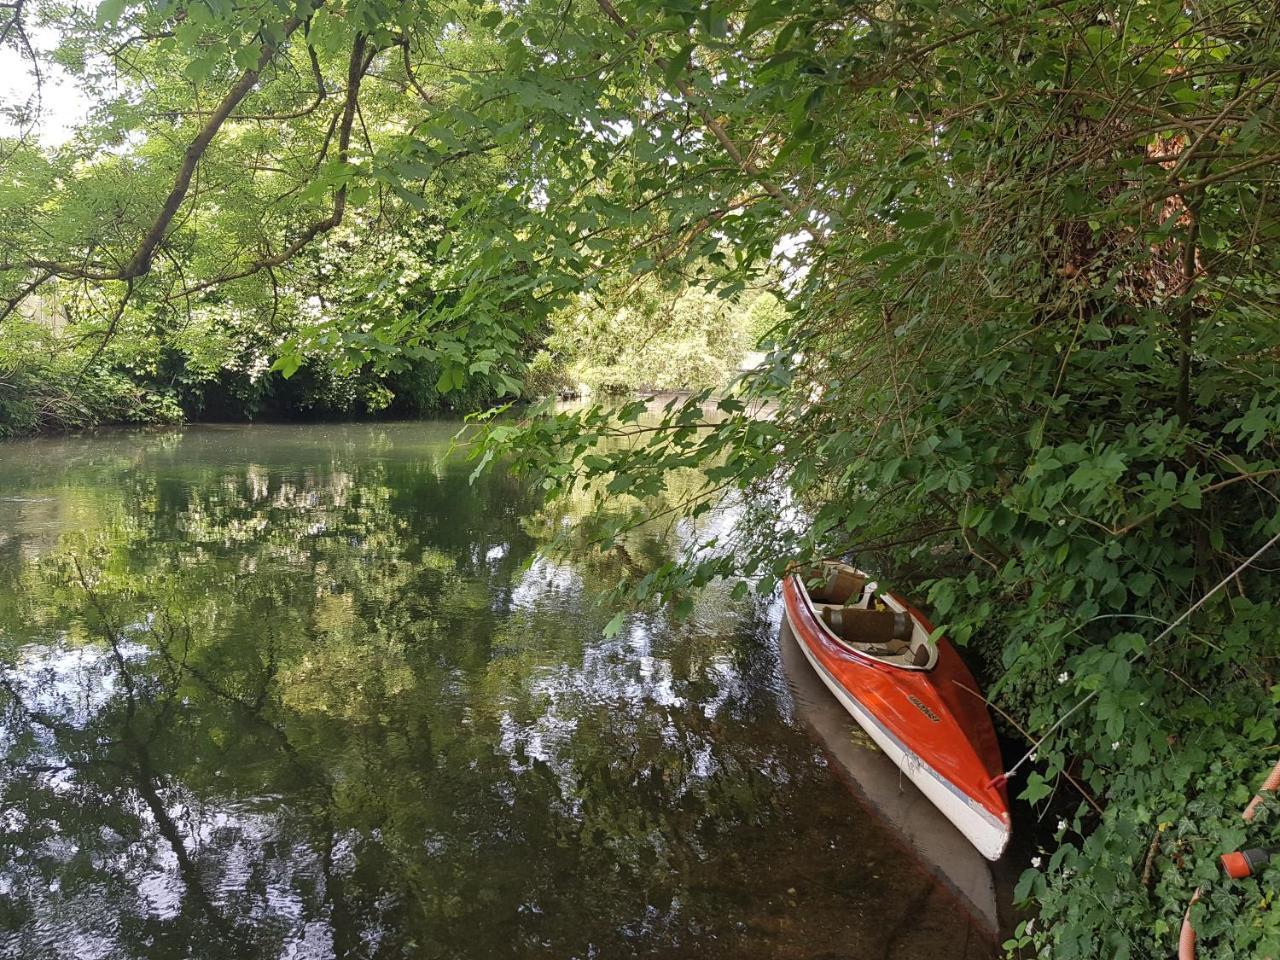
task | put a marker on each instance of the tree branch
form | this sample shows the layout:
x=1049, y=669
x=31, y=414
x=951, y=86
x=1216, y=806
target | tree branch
x=24, y=291
x=356, y=67
x=718, y=131
x=140, y=262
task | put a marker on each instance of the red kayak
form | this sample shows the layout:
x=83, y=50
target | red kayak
x=915, y=699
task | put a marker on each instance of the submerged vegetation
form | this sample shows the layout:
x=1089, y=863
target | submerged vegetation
x=1016, y=270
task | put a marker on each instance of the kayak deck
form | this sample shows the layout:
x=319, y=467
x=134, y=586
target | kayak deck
x=915, y=698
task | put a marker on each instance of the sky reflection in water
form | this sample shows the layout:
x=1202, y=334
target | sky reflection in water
x=294, y=692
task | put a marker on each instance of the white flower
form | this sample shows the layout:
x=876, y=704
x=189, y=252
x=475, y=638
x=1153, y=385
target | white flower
x=1063, y=677
x=1115, y=745
x=1062, y=825
x=1035, y=861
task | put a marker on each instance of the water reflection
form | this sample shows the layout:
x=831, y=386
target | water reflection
x=305, y=692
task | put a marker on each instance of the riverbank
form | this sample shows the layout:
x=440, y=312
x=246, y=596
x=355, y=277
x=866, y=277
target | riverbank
x=43, y=397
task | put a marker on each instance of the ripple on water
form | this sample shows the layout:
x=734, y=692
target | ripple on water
x=360, y=709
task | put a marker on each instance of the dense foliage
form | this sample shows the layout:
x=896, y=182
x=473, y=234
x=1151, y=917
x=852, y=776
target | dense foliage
x=643, y=337
x=1030, y=353
x=1032, y=362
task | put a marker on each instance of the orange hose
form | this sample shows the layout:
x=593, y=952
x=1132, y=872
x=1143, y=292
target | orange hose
x=1268, y=785
x=1187, y=936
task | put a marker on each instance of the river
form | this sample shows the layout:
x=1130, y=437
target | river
x=308, y=692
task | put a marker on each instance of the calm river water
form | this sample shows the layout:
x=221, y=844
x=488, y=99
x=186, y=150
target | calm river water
x=296, y=692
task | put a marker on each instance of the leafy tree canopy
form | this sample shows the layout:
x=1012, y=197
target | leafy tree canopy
x=1029, y=352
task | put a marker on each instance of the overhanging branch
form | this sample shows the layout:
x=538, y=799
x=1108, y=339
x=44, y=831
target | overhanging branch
x=140, y=261
x=361, y=58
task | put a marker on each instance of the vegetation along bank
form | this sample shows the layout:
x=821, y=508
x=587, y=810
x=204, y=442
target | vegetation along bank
x=1013, y=268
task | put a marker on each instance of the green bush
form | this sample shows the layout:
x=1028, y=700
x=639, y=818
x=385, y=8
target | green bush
x=546, y=376
x=644, y=337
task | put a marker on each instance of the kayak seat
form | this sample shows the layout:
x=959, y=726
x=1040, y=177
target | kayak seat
x=890, y=628
x=884, y=633
x=834, y=583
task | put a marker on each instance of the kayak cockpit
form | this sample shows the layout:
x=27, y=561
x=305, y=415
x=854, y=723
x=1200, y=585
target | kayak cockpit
x=856, y=616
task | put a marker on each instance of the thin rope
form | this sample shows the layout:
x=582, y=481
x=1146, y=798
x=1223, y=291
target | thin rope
x=1151, y=646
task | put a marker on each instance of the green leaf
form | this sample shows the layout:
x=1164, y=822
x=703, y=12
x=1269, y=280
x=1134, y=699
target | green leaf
x=109, y=11
x=1037, y=788
x=915, y=219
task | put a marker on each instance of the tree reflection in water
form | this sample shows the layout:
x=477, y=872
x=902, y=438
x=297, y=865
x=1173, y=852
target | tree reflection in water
x=306, y=692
